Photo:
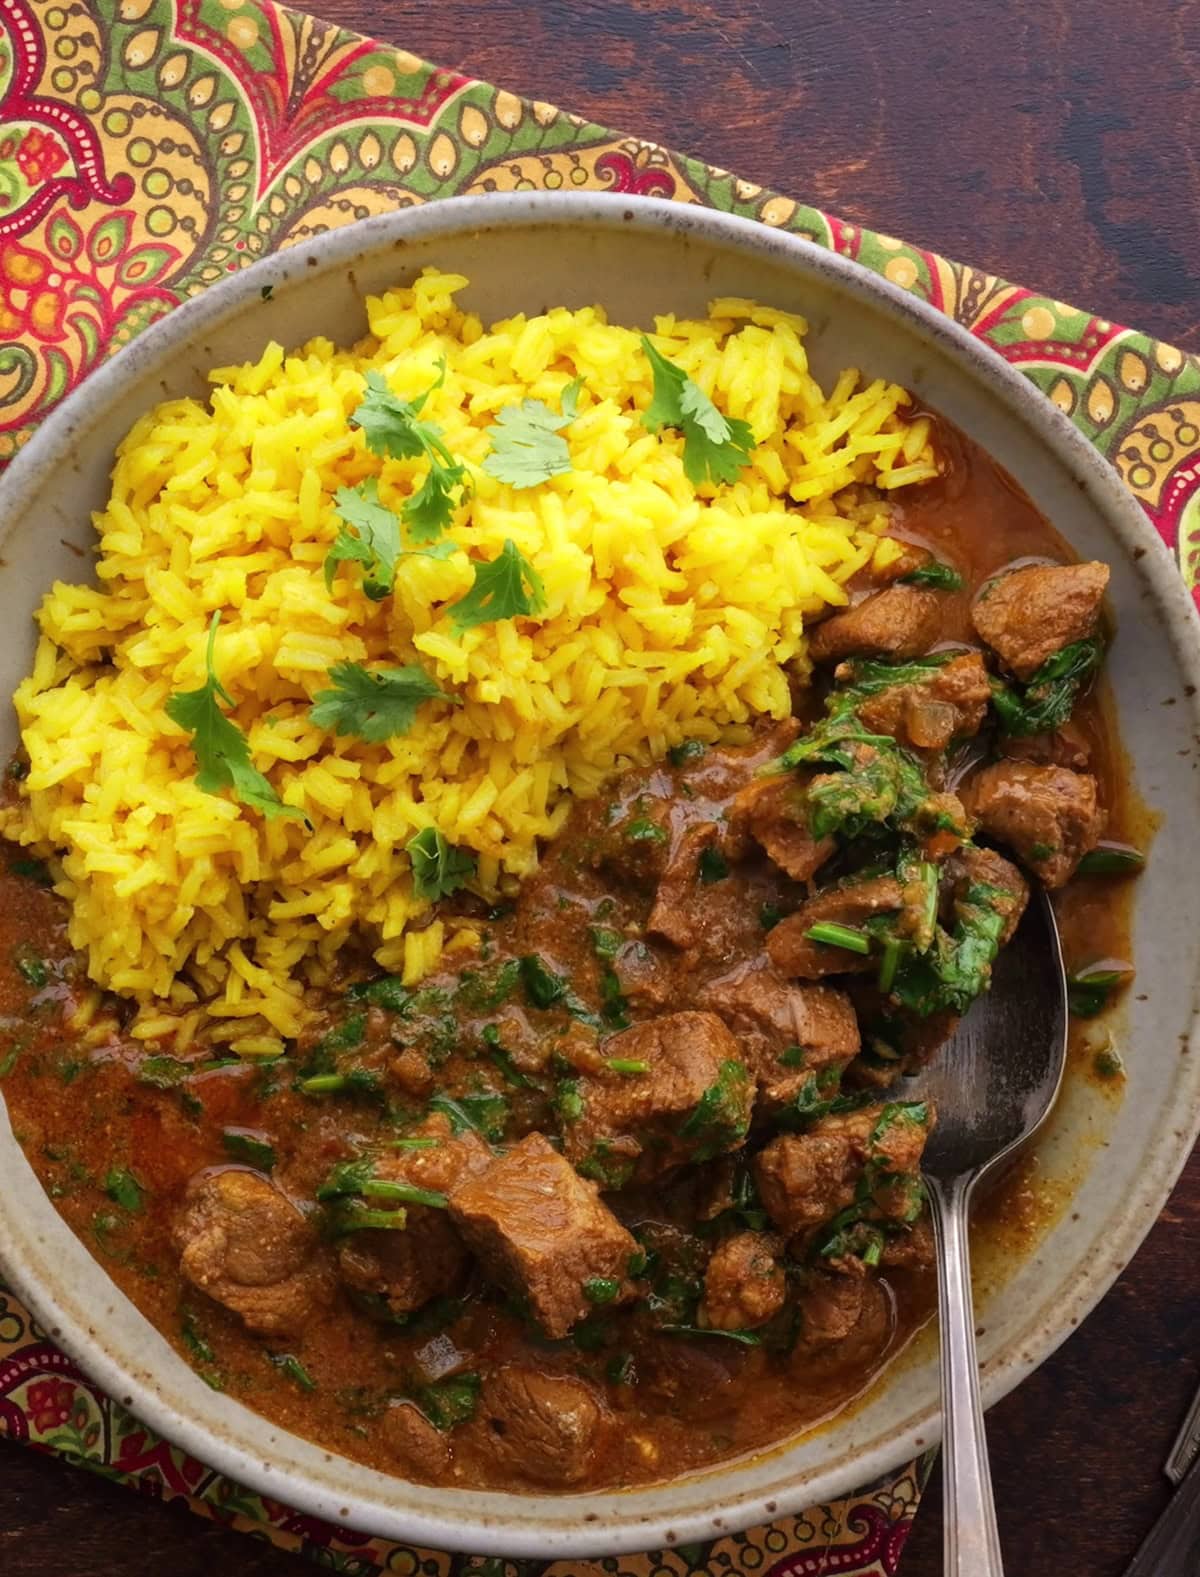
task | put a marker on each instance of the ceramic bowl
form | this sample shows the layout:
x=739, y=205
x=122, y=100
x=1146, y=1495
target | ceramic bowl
x=638, y=258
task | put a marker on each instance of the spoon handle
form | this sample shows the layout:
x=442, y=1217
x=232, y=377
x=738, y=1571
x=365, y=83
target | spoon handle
x=971, y=1543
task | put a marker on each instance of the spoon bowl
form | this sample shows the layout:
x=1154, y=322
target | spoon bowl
x=996, y=1079
x=992, y=1085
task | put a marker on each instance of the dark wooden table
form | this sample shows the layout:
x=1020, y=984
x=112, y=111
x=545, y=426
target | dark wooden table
x=1053, y=144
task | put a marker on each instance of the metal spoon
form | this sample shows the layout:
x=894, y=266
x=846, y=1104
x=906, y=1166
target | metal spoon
x=993, y=1084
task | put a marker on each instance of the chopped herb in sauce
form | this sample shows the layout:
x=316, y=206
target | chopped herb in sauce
x=287, y=1363
x=1047, y=700
x=124, y=1189
x=721, y=1118
x=449, y=1402
x=1090, y=990
x=687, y=750
x=601, y=1289
x=485, y=1113
x=241, y=1145
x=712, y=865
x=944, y=577
x=31, y=966
x=1111, y=859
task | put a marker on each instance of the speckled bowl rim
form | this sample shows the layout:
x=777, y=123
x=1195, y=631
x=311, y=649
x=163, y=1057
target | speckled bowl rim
x=247, y=1447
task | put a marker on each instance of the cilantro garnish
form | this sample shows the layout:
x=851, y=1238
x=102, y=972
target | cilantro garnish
x=374, y=706
x=378, y=545
x=438, y=867
x=715, y=447
x=222, y=751
x=392, y=428
x=504, y=587
x=526, y=447
x=124, y=1189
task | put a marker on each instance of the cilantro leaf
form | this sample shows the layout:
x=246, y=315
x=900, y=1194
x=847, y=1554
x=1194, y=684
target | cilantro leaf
x=438, y=868
x=374, y=706
x=526, y=447
x=221, y=749
x=504, y=587
x=392, y=427
x=715, y=447
x=377, y=545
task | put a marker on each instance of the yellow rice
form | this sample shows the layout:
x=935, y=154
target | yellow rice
x=671, y=612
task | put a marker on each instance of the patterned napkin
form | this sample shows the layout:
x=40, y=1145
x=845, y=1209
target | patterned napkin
x=148, y=147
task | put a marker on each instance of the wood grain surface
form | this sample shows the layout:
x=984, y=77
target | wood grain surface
x=1054, y=144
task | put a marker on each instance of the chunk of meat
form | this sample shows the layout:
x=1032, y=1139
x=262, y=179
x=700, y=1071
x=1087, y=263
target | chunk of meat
x=420, y=1448
x=693, y=1101
x=949, y=702
x=411, y=1074
x=848, y=1318
x=796, y=955
x=772, y=811
x=630, y=841
x=912, y=1250
x=540, y=1230
x=972, y=866
x=1029, y=614
x=744, y=1285
x=804, y=1180
x=697, y=1380
x=244, y=1243
x=902, y=621
x=1049, y=816
x=428, y=1258
x=542, y=1427
x=786, y=1032
x=678, y=912
x=1066, y=747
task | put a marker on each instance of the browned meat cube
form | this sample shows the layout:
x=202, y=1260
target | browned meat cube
x=794, y=954
x=899, y=622
x=971, y=866
x=849, y=1318
x=631, y=841
x=1067, y=747
x=419, y=1447
x=911, y=1250
x=949, y=703
x=542, y=1427
x=428, y=1258
x=245, y=1244
x=678, y=912
x=540, y=1230
x=773, y=812
x=806, y=1179
x=411, y=1074
x=1048, y=816
x=786, y=1032
x=1029, y=614
x=744, y=1285
x=693, y=1101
